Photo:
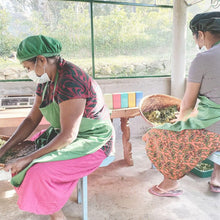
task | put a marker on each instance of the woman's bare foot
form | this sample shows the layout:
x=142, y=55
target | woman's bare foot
x=215, y=178
x=168, y=184
x=58, y=216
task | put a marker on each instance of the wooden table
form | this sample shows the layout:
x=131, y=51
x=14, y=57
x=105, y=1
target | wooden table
x=11, y=118
x=125, y=114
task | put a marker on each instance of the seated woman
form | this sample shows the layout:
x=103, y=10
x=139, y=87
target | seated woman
x=175, y=149
x=80, y=136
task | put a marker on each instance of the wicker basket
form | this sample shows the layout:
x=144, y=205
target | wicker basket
x=157, y=102
x=22, y=149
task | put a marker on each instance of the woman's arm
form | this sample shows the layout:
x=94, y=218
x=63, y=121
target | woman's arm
x=25, y=128
x=189, y=101
x=71, y=112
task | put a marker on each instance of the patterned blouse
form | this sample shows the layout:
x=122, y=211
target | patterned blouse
x=74, y=83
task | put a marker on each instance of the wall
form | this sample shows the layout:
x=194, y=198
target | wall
x=147, y=85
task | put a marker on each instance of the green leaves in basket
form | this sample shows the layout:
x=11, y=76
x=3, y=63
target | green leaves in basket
x=204, y=166
x=161, y=116
x=20, y=150
x=2, y=142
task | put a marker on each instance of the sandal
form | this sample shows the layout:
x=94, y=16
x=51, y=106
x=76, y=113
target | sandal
x=214, y=188
x=164, y=193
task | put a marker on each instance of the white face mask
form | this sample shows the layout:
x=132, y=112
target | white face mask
x=38, y=79
x=203, y=49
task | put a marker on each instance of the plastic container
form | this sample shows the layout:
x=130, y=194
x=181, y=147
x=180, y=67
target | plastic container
x=131, y=99
x=124, y=100
x=116, y=100
x=203, y=174
x=108, y=100
x=139, y=96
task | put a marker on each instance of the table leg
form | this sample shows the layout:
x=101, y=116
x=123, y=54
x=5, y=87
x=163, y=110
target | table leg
x=125, y=140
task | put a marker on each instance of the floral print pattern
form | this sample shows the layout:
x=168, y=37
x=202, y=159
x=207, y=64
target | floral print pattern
x=175, y=154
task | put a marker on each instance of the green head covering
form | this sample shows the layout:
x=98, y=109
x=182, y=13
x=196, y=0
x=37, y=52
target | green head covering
x=209, y=21
x=33, y=46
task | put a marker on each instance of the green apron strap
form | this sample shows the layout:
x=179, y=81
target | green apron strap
x=55, y=84
x=45, y=88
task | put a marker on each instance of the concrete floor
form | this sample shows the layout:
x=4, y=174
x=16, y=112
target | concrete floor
x=119, y=192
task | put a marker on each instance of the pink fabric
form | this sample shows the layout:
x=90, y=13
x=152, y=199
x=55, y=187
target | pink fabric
x=47, y=186
x=33, y=138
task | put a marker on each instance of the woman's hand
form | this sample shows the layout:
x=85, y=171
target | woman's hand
x=175, y=119
x=1, y=152
x=187, y=108
x=17, y=165
x=3, y=149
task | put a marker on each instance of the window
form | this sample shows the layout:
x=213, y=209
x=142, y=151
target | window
x=108, y=39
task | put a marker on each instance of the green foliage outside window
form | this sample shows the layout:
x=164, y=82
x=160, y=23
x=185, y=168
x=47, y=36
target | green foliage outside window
x=129, y=40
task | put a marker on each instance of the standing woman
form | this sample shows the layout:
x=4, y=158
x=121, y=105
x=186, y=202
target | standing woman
x=176, y=149
x=78, y=140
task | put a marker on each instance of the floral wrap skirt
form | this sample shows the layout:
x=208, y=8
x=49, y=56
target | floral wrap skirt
x=175, y=153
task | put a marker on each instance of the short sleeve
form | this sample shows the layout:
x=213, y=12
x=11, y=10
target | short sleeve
x=39, y=89
x=197, y=70
x=74, y=84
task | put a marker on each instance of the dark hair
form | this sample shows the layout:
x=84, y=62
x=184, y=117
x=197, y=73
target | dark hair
x=216, y=33
x=197, y=34
x=35, y=58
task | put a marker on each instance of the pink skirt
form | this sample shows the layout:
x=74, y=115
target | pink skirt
x=47, y=186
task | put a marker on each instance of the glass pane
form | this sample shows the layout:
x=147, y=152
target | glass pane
x=68, y=22
x=132, y=41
